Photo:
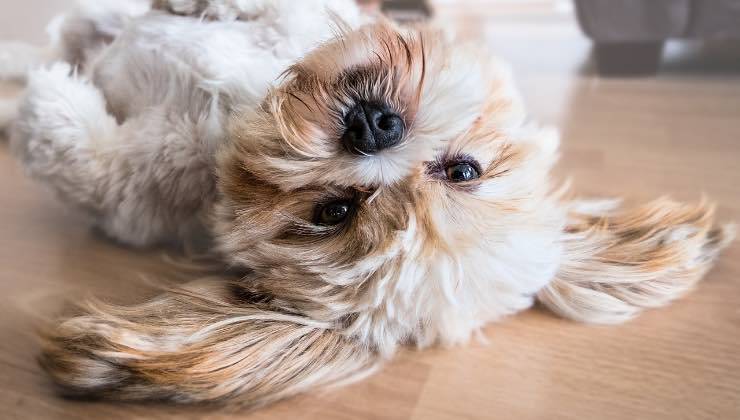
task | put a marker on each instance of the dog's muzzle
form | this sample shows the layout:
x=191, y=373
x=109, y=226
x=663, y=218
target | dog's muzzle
x=371, y=127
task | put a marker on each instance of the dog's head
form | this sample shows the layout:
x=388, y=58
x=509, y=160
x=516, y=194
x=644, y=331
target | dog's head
x=391, y=173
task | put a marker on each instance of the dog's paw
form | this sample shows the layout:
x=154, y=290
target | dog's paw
x=59, y=113
x=61, y=126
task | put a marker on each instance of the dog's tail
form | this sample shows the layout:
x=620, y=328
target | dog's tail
x=201, y=343
x=620, y=262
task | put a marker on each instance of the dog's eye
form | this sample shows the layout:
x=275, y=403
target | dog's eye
x=461, y=172
x=332, y=213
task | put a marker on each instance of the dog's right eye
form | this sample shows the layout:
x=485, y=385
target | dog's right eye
x=462, y=172
x=332, y=213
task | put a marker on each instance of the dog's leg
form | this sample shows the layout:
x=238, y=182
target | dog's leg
x=80, y=35
x=143, y=181
x=619, y=262
x=61, y=129
x=75, y=38
x=197, y=344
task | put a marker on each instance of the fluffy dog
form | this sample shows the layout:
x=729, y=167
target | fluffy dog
x=380, y=184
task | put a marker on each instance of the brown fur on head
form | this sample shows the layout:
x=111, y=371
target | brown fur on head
x=413, y=235
x=420, y=257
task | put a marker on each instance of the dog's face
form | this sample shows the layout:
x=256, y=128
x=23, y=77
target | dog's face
x=390, y=177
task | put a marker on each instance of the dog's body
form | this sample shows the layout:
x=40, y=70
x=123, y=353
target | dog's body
x=385, y=191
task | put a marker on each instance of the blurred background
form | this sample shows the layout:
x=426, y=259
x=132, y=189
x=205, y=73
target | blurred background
x=646, y=94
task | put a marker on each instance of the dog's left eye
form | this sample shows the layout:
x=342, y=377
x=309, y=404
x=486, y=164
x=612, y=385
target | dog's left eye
x=332, y=213
x=462, y=172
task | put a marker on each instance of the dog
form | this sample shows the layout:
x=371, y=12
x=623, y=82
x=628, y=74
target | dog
x=380, y=184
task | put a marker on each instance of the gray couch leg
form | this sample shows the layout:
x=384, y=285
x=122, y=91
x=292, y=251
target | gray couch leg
x=628, y=58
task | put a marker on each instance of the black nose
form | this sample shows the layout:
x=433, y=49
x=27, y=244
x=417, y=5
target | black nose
x=371, y=127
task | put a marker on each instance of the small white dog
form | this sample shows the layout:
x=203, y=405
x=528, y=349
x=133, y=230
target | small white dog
x=380, y=183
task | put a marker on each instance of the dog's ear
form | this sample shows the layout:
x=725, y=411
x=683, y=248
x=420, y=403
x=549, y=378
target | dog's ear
x=197, y=345
x=617, y=263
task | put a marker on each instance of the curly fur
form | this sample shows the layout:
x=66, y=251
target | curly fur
x=223, y=117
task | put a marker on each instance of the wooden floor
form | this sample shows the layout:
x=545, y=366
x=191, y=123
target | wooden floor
x=676, y=134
